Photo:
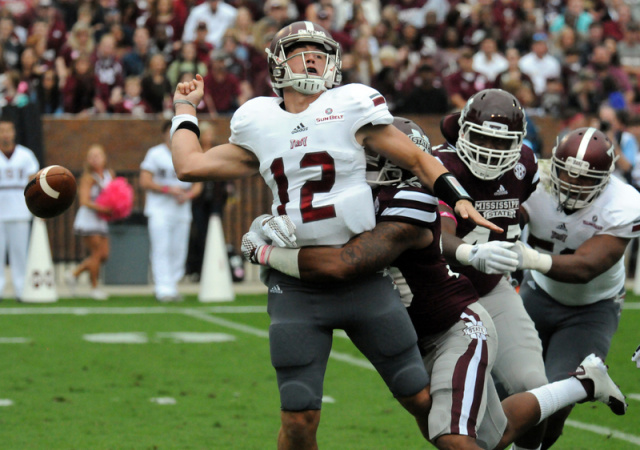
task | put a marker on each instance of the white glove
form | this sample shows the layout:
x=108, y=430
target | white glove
x=493, y=257
x=280, y=230
x=636, y=357
x=251, y=241
x=529, y=258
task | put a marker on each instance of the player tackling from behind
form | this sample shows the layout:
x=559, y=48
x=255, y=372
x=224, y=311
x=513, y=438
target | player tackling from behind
x=456, y=334
x=308, y=145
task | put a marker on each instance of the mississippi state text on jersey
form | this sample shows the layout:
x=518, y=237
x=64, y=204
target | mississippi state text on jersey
x=497, y=200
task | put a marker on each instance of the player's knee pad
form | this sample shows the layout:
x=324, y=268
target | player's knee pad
x=408, y=381
x=297, y=358
x=298, y=396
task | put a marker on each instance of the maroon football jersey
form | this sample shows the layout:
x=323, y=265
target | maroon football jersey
x=439, y=295
x=497, y=200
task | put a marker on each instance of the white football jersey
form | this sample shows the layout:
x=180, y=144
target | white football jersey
x=14, y=176
x=615, y=212
x=312, y=161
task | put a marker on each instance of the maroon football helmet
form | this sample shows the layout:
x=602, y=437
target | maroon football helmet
x=382, y=171
x=581, y=165
x=492, y=128
x=307, y=83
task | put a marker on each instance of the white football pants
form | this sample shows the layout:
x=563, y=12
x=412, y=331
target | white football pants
x=169, y=239
x=14, y=236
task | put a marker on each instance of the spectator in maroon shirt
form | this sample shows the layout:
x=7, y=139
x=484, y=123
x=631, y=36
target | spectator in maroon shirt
x=129, y=101
x=79, y=89
x=156, y=88
x=108, y=71
x=80, y=41
x=465, y=82
x=161, y=14
x=56, y=29
x=223, y=90
x=203, y=48
x=616, y=28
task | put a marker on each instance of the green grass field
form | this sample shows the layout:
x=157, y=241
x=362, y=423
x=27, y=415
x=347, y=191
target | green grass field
x=198, y=376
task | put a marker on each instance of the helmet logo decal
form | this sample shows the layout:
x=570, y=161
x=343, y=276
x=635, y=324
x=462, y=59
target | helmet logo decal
x=495, y=125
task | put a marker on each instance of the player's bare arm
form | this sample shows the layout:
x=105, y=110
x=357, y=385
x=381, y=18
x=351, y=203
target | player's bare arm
x=396, y=146
x=594, y=257
x=222, y=162
x=367, y=253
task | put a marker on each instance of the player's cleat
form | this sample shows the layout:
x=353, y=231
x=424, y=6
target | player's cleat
x=593, y=369
x=99, y=295
x=71, y=283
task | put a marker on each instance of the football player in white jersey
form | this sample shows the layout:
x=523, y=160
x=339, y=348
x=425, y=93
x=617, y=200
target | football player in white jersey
x=581, y=220
x=17, y=165
x=308, y=144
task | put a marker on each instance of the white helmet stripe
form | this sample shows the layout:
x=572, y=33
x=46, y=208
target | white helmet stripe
x=584, y=143
x=309, y=26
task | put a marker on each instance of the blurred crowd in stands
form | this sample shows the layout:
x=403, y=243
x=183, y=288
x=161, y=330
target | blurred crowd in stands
x=567, y=59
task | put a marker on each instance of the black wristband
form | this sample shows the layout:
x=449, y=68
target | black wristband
x=188, y=125
x=448, y=189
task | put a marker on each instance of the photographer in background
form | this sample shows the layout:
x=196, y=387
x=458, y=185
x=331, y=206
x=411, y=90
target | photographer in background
x=614, y=124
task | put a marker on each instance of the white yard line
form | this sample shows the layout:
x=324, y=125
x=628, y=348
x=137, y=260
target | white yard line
x=82, y=311
x=603, y=431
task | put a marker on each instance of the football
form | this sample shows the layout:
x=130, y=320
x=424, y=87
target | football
x=50, y=192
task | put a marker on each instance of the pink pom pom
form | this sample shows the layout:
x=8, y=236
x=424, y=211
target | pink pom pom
x=118, y=197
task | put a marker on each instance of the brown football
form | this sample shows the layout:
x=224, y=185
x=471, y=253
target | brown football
x=51, y=192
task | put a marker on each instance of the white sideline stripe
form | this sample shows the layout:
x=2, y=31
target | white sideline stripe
x=631, y=305
x=80, y=311
x=603, y=431
x=226, y=323
x=634, y=396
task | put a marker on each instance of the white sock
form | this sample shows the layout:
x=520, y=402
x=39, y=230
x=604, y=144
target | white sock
x=554, y=396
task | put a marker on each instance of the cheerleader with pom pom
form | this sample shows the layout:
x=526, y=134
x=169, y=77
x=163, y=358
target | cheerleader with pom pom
x=90, y=221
